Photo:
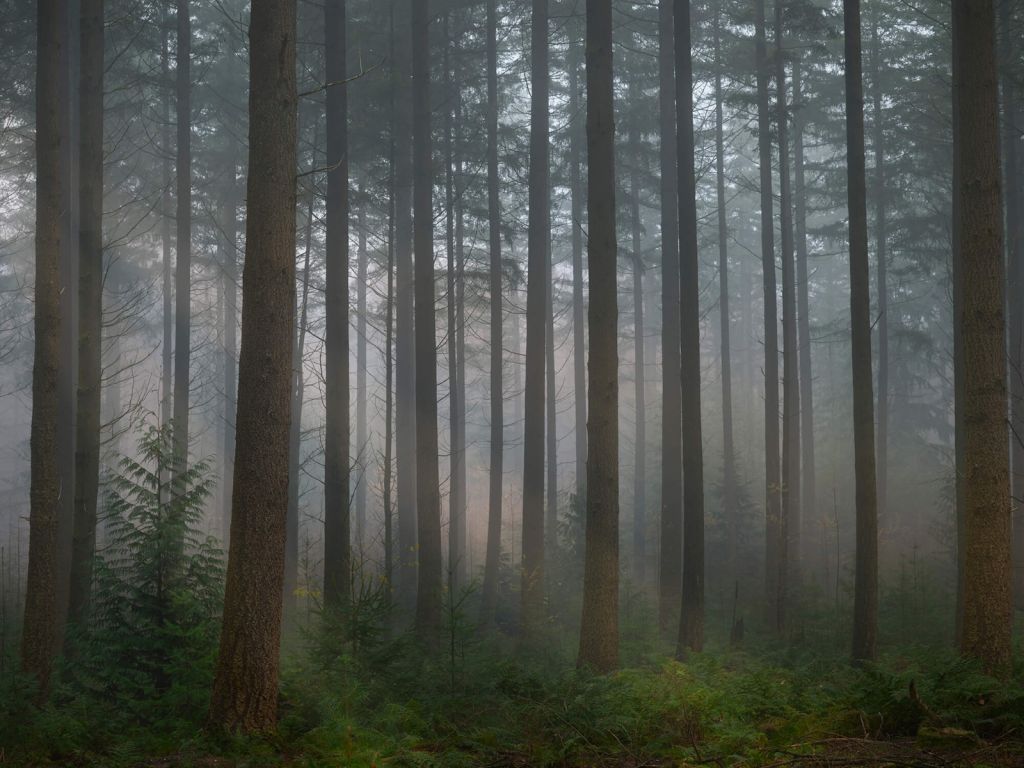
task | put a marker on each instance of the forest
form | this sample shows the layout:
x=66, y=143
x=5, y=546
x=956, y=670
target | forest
x=512, y=383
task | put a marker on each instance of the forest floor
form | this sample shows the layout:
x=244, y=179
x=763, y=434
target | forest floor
x=485, y=701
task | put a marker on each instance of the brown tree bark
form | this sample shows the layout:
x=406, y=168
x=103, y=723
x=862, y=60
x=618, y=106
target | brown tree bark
x=865, y=595
x=808, y=491
x=670, y=569
x=363, y=452
x=691, y=620
x=790, y=365
x=405, y=348
x=90, y=310
x=183, y=234
x=881, y=271
x=428, y=494
x=291, y=552
x=599, y=623
x=337, y=426
x=775, y=535
x=244, y=697
x=640, y=415
x=579, y=350
x=1013, y=121
x=987, y=574
x=39, y=632
x=536, y=323
x=729, y=505
x=489, y=591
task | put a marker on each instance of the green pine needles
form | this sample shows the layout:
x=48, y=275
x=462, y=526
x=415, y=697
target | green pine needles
x=158, y=591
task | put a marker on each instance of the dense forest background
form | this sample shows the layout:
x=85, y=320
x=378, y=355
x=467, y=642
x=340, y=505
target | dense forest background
x=798, y=356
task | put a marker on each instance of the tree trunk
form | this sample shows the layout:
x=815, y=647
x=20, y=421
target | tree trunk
x=183, y=235
x=229, y=224
x=405, y=348
x=729, y=508
x=775, y=577
x=362, y=435
x=1013, y=119
x=881, y=267
x=579, y=349
x=865, y=596
x=90, y=309
x=807, y=476
x=337, y=428
x=39, y=632
x=599, y=623
x=691, y=619
x=244, y=697
x=167, y=347
x=536, y=300
x=291, y=553
x=987, y=600
x=428, y=495
x=489, y=592
x=640, y=427
x=670, y=569
x=790, y=364
x=456, y=508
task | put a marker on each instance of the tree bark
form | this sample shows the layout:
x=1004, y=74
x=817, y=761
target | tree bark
x=881, y=272
x=90, y=311
x=244, y=697
x=691, y=621
x=405, y=348
x=807, y=476
x=579, y=349
x=536, y=300
x=599, y=623
x=337, y=426
x=987, y=574
x=39, y=632
x=865, y=597
x=775, y=536
x=291, y=553
x=489, y=592
x=362, y=434
x=670, y=569
x=729, y=506
x=790, y=364
x=640, y=426
x=428, y=495
x=1013, y=120
x=183, y=234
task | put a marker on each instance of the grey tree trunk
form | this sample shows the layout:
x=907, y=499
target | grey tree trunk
x=599, y=622
x=790, y=363
x=489, y=591
x=337, y=425
x=775, y=541
x=865, y=596
x=291, y=552
x=405, y=348
x=90, y=311
x=579, y=350
x=670, y=569
x=183, y=234
x=428, y=494
x=640, y=427
x=536, y=324
x=808, y=492
x=363, y=452
x=881, y=271
x=729, y=506
x=691, y=619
